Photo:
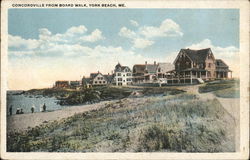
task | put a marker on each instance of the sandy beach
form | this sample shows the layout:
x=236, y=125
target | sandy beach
x=24, y=121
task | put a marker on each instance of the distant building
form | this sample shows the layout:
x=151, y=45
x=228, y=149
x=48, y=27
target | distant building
x=74, y=84
x=151, y=72
x=163, y=68
x=122, y=75
x=109, y=78
x=61, y=84
x=222, y=69
x=86, y=82
x=98, y=79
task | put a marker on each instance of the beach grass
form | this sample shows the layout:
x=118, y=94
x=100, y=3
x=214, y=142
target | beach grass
x=168, y=123
x=222, y=88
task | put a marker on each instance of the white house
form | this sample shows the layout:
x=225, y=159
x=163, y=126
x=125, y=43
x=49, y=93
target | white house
x=122, y=75
x=98, y=79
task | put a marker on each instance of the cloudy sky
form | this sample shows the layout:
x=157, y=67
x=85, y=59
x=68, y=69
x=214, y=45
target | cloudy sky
x=45, y=45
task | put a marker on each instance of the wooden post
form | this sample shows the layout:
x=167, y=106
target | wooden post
x=191, y=77
x=179, y=77
x=184, y=77
x=206, y=75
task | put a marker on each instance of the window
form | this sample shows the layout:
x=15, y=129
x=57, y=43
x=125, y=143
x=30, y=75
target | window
x=123, y=80
x=118, y=74
x=209, y=65
x=95, y=82
x=128, y=79
x=119, y=79
x=128, y=74
x=104, y=82
x=119, y=84
x=100, y=82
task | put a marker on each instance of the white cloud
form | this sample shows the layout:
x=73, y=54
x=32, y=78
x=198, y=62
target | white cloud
x=168, y=28
x=142, y=38
x=19, y=42
x=48, y=44
x=93, y=37
x=76, y=30
x=220, y=52
x=125, y=32
x=134, y=23
x=142, y=43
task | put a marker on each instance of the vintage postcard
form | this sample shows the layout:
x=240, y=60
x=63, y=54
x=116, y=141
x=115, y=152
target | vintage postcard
x=124, y=79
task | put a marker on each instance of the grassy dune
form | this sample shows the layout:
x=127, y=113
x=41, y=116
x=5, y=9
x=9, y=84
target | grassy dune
x=166, y=123
x=222, y=88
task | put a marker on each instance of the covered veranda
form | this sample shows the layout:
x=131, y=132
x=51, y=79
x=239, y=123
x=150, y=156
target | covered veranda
x=188, y=75
x=223, y=73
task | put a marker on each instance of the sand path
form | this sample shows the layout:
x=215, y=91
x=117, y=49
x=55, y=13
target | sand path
x=23, y=121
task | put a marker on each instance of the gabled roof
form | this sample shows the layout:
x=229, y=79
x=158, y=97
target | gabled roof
x=74, y=82
x=120, y=68
x=93, y=75
x=151, y=68
x=140, y=68
x=220, y=63
x=196, y=55
x=108, y=78
x=86, y=80
x=165, y=67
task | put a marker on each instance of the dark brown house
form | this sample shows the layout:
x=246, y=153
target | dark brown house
x=199, y=64
x=222, y=69
x=62, y=84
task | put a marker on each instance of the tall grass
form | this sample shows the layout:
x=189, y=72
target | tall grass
x=222, y=88
x=180, y=123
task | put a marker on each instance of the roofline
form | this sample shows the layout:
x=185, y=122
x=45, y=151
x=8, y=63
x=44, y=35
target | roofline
x=223, y=62
x=178, y=56
x=197, y=49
